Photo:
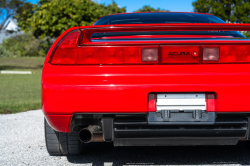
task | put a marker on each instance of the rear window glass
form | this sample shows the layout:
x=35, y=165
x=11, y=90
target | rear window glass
x=162, y=17
x=154, y=18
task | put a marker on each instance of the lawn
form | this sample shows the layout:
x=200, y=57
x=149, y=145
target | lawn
x=20, y=93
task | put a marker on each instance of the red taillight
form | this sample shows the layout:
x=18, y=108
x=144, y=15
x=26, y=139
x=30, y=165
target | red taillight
x=66, y=50
x=211, y=102
x=152, y=103
x=109, y=55
x=226, y=54
x=180, y=54
x=243, y=54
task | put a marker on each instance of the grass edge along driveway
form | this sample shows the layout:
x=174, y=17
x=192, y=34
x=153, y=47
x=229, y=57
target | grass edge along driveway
x=20, y=93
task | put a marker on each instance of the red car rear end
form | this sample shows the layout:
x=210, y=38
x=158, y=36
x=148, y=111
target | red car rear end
x=157, y=80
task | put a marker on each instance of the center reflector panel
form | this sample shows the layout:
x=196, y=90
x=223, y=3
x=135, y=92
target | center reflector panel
x=180, y=54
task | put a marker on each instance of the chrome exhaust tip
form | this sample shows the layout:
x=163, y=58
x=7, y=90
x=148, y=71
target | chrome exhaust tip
x=90, y=134
x=85, y=135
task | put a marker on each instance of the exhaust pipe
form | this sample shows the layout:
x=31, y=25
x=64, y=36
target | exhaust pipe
x=89, y=134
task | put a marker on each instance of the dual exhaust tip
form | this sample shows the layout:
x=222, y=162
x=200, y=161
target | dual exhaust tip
x=89, y=134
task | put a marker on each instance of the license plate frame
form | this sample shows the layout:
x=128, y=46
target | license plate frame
x=181, y=109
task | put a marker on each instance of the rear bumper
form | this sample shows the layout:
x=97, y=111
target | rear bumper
x=134, y=129
x=68, y=90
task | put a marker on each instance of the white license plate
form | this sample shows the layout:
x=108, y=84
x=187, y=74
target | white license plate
x=188, y=101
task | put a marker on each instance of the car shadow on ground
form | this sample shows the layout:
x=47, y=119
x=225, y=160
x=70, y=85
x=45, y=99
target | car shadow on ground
x=100, y=153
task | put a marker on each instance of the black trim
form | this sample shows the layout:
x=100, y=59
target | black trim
x=149, y=133
x=128, y=125
x=131, y=123
x=175, y=141
x=107, y=129
x=248, y=131
x=183, y=117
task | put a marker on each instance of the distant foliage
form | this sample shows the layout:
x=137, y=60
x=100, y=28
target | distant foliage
x=50, y=18
x=24, y=45
x=148, y=8
x=4, y=52
x=228, y=10
x=247, y=34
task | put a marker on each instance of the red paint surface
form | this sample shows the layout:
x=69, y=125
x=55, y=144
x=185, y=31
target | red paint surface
x=124, y=89
x=59, y=122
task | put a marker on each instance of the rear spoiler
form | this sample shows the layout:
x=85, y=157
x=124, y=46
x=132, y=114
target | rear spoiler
x=89, y=30
x=82, y=35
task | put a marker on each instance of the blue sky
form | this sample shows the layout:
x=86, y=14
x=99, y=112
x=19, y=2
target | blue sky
x=132, y=5
x=172, y=5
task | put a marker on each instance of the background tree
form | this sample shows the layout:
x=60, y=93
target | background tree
x=112, y=9
x=9, y=8
x=228, y=10
x=51, y=18
x=147, y=8
x=23, y=45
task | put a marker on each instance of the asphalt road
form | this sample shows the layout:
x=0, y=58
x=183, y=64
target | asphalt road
x=22, y=143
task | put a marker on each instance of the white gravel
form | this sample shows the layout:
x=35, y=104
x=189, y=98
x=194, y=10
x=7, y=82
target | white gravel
x=22, y=140
x=22, y=143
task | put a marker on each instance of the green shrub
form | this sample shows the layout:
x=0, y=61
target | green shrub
x=4, y=52
x=24, y=45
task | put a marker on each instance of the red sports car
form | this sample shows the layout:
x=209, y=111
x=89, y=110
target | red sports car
x=147, y=79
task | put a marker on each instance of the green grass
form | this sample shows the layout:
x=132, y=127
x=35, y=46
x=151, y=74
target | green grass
x=20, y=93
x=21, y=63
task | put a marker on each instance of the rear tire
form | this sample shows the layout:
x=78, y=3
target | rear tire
x=59, y=143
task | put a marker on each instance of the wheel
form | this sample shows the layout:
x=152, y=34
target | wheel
x=58, y=143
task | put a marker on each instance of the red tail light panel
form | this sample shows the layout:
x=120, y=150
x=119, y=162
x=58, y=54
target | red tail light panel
x=226, y=54
x=109, y=55
x=66, y=50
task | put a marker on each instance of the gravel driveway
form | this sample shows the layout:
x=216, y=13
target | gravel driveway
x=22, y=143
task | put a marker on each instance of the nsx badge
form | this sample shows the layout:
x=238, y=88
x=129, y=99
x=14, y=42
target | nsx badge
x=179, y=53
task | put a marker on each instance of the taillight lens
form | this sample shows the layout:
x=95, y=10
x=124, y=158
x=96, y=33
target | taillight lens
x=243, y=54
x=66, y=50
x=109, y=55
x=226, y=54
x=180, y=54
x=210, y=54
x=117, y=55
x=152, y=103
x=211, y=102
x=149, y=54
